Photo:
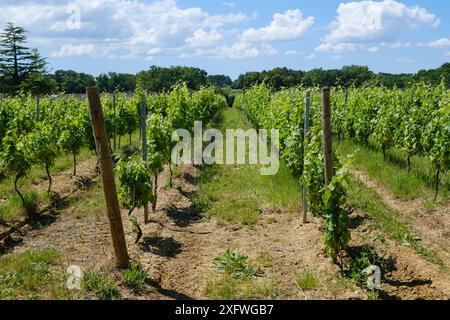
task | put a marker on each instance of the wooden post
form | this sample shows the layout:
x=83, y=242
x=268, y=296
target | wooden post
x=144, y=143
x=109, y=186
x=307, y=138
x=327, y=137
x=115, y=121
x=38, y=108
x=144, y=127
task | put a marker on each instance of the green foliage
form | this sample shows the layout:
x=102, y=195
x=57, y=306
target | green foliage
x=72, y=136
x=135, y=189
x=307, y=280
x=21, y=68
x=313, y=173
x=236, y=265
x=100, y=285
x=134, y=277
x=29, y=275
x=354, y=266
x=336, y=234
x=159, y=79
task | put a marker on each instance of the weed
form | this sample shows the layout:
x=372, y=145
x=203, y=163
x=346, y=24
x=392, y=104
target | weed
x=27, y=276
x=227, y=287
x=99, y=284
x=31, y=203
x=134, y=277
x=237, y=265
x=307, y=280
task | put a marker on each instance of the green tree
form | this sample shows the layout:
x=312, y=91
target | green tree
x=21, y=68
x=14, y=54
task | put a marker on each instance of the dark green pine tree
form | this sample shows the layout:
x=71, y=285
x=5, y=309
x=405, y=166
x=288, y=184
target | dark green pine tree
x=13, y=56
x=36, y=79
x=21, y=68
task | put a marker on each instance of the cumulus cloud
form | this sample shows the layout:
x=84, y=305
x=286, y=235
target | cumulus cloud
x=336, y=47
x=119, y=28
x=371, y=21
x=69, y=50
x=441, y=43
x=289, y=25
x=238, y=50
x=202, y=38
x=369, y=25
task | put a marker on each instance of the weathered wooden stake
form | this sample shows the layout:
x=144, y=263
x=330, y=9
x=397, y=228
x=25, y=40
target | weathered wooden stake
x=327, y=137
x=115, y=121
x=307, y=138
x=144, y=143
x=109, y=186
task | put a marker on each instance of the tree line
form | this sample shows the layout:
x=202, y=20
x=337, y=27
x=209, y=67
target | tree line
x=23, y=69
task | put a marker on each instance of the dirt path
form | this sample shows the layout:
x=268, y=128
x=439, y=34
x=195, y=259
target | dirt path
x=432, y=224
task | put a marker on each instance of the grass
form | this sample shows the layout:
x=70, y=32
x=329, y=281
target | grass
x=393, y=172
x=32, y=275
x=227, y=287
x=90, y=202
x=239, y=193
x=307, y=280
x=335, y=286
x=240, y=278
x=237, y=265
x=386, y=220
x=99, y=284
x=134, y=277
x=12, y=208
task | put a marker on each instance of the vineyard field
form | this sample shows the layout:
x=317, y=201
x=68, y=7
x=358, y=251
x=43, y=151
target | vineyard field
x=384, y=206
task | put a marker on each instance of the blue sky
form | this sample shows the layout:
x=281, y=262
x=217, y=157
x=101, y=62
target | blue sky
x=232, y=37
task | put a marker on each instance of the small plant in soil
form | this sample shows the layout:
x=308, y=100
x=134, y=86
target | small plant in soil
x=237, y=265
x=134, y=277
x=98, y=283
x=360, y=259
x=307, y=280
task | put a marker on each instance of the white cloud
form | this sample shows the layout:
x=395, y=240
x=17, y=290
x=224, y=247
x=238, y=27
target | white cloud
x=447, y=54
x=372, y=49
x=201, y=38
x=238, y=50
x=311, y=56
x=68, y=50
x=229, y=4
x=337, y=57
x=397, y=45
x=119, y=28
x=371, y=21
x=231, y=18
x=290, y=25
x=292, y=52
x=441, y=43
x=336, y=47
